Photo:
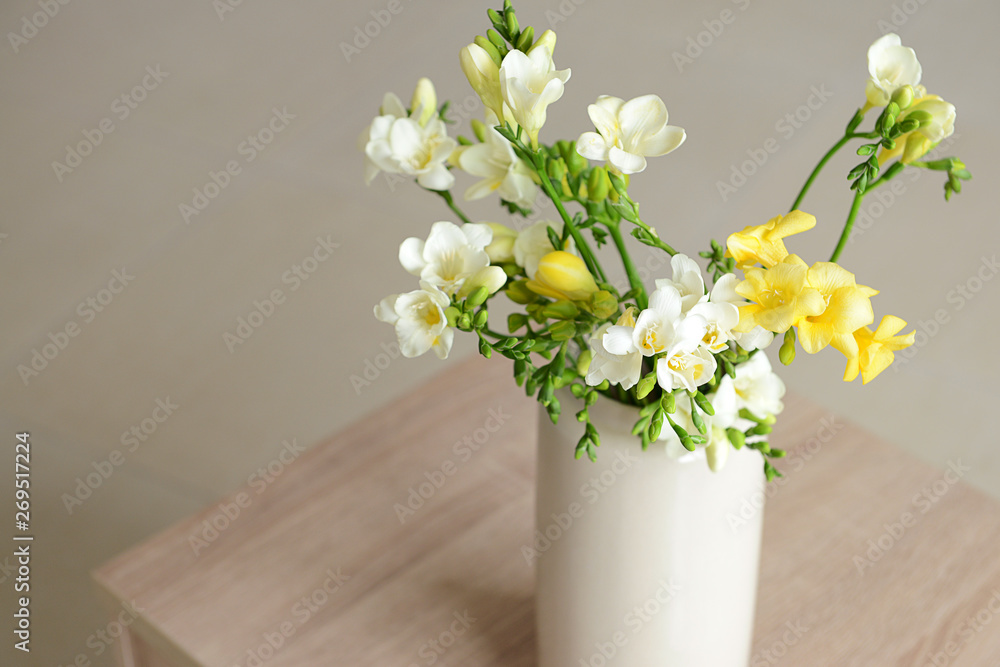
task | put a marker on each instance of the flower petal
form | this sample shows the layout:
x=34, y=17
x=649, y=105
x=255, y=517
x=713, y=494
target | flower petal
x=411, y=255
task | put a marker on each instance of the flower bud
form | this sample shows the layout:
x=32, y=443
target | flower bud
x=583, y=362
x=424, y=99
x=561, y=275
x=501, y=248
x=481, y=66
x=903, y=97
x=547, y=38
x=489, y=278
x=598, y=185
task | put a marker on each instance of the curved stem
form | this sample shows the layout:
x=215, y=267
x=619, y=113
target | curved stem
x=848, y=225
x=819, y=167
x=581, y=243
x=633, y=274
x=446, y=195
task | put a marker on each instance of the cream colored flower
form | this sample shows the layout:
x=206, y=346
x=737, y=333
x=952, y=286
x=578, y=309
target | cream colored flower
x=628, y=132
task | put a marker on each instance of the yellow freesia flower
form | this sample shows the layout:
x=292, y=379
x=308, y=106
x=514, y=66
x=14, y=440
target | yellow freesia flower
x=848, y=308
x=781, y=296
x=561, y=275
x=875, y=349
x=763, y=244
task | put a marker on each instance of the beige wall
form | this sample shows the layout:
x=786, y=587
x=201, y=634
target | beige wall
x=162, y=336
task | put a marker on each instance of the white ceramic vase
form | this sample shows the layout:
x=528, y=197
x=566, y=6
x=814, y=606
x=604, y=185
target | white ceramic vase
x=638, y=560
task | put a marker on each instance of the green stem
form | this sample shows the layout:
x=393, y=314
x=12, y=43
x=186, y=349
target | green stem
x=588, y=256
x=446, y=195
x=819, y=167
x=633, y=274
x=848, y=225
x=887, y=175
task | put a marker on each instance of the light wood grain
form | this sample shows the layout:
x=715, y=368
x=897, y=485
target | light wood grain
x=332, y=511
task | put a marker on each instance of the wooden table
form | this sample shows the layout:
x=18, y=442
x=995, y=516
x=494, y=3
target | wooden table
x=399, y=543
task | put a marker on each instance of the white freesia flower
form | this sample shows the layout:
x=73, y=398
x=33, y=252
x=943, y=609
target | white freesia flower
x=724, y=291
x=627, y=132
x=659, y=328
x=451, y=255
x=484, y=77
x=758, y=388
x=419, y=319
x=501, y=248
x=412, y=145
x=533, y=243
x=501, y=169
x=720, y=318
x=684, y=368
x=529, y=83
x=890, y=67
x=622, y=369
x=686, y=279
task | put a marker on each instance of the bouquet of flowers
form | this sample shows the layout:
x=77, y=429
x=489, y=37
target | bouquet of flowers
x=687, y=355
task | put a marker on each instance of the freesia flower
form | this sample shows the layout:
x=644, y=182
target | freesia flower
x=628, y=132
x=875, y=349
x=501, y=169
x=724, y=291
x=720, y=319
x=533, y=243
x=561, y=275
x=659, y=328
x=890, y=67
x=686, y=279
x=419, y=319
x=914, y=145
x=763, y=243
x=451, y=255
x=685, y=368
x=529, y=83
x=781, y=296
x=484, y=77
x=621, y=369
x=758, y=388
x=848, y=308
x=413, y=145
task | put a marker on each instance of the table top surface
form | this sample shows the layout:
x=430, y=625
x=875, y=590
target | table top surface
x=399, y=543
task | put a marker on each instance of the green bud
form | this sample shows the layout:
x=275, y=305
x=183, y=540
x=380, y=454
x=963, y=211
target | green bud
x=479, y=129
x=574, y=161
x=578, y=390
x=604, y=386
x=598, y=185
x=668, y=403
x=452, y=314
x=645, y=385
x=699, y=423
x=603, y=304
x=866, y=149
x=736, y=437
x=515, y=321
x=513, y=29
x=688, y=442
x=494, y=37
x=563, y=330
x=561, y=310
x=591, y=398
x=526, y=39
x=464, y=322
x=490, y=49
x=656, y=425
x=494, y=17
x=518, y=292
x=481, y=318
x=478, y=297
x=484, y=348
x=556, y=169
x=760, y=429
x=704, y=403
x=583, y=363
x=787, y=352
x=903, y=97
